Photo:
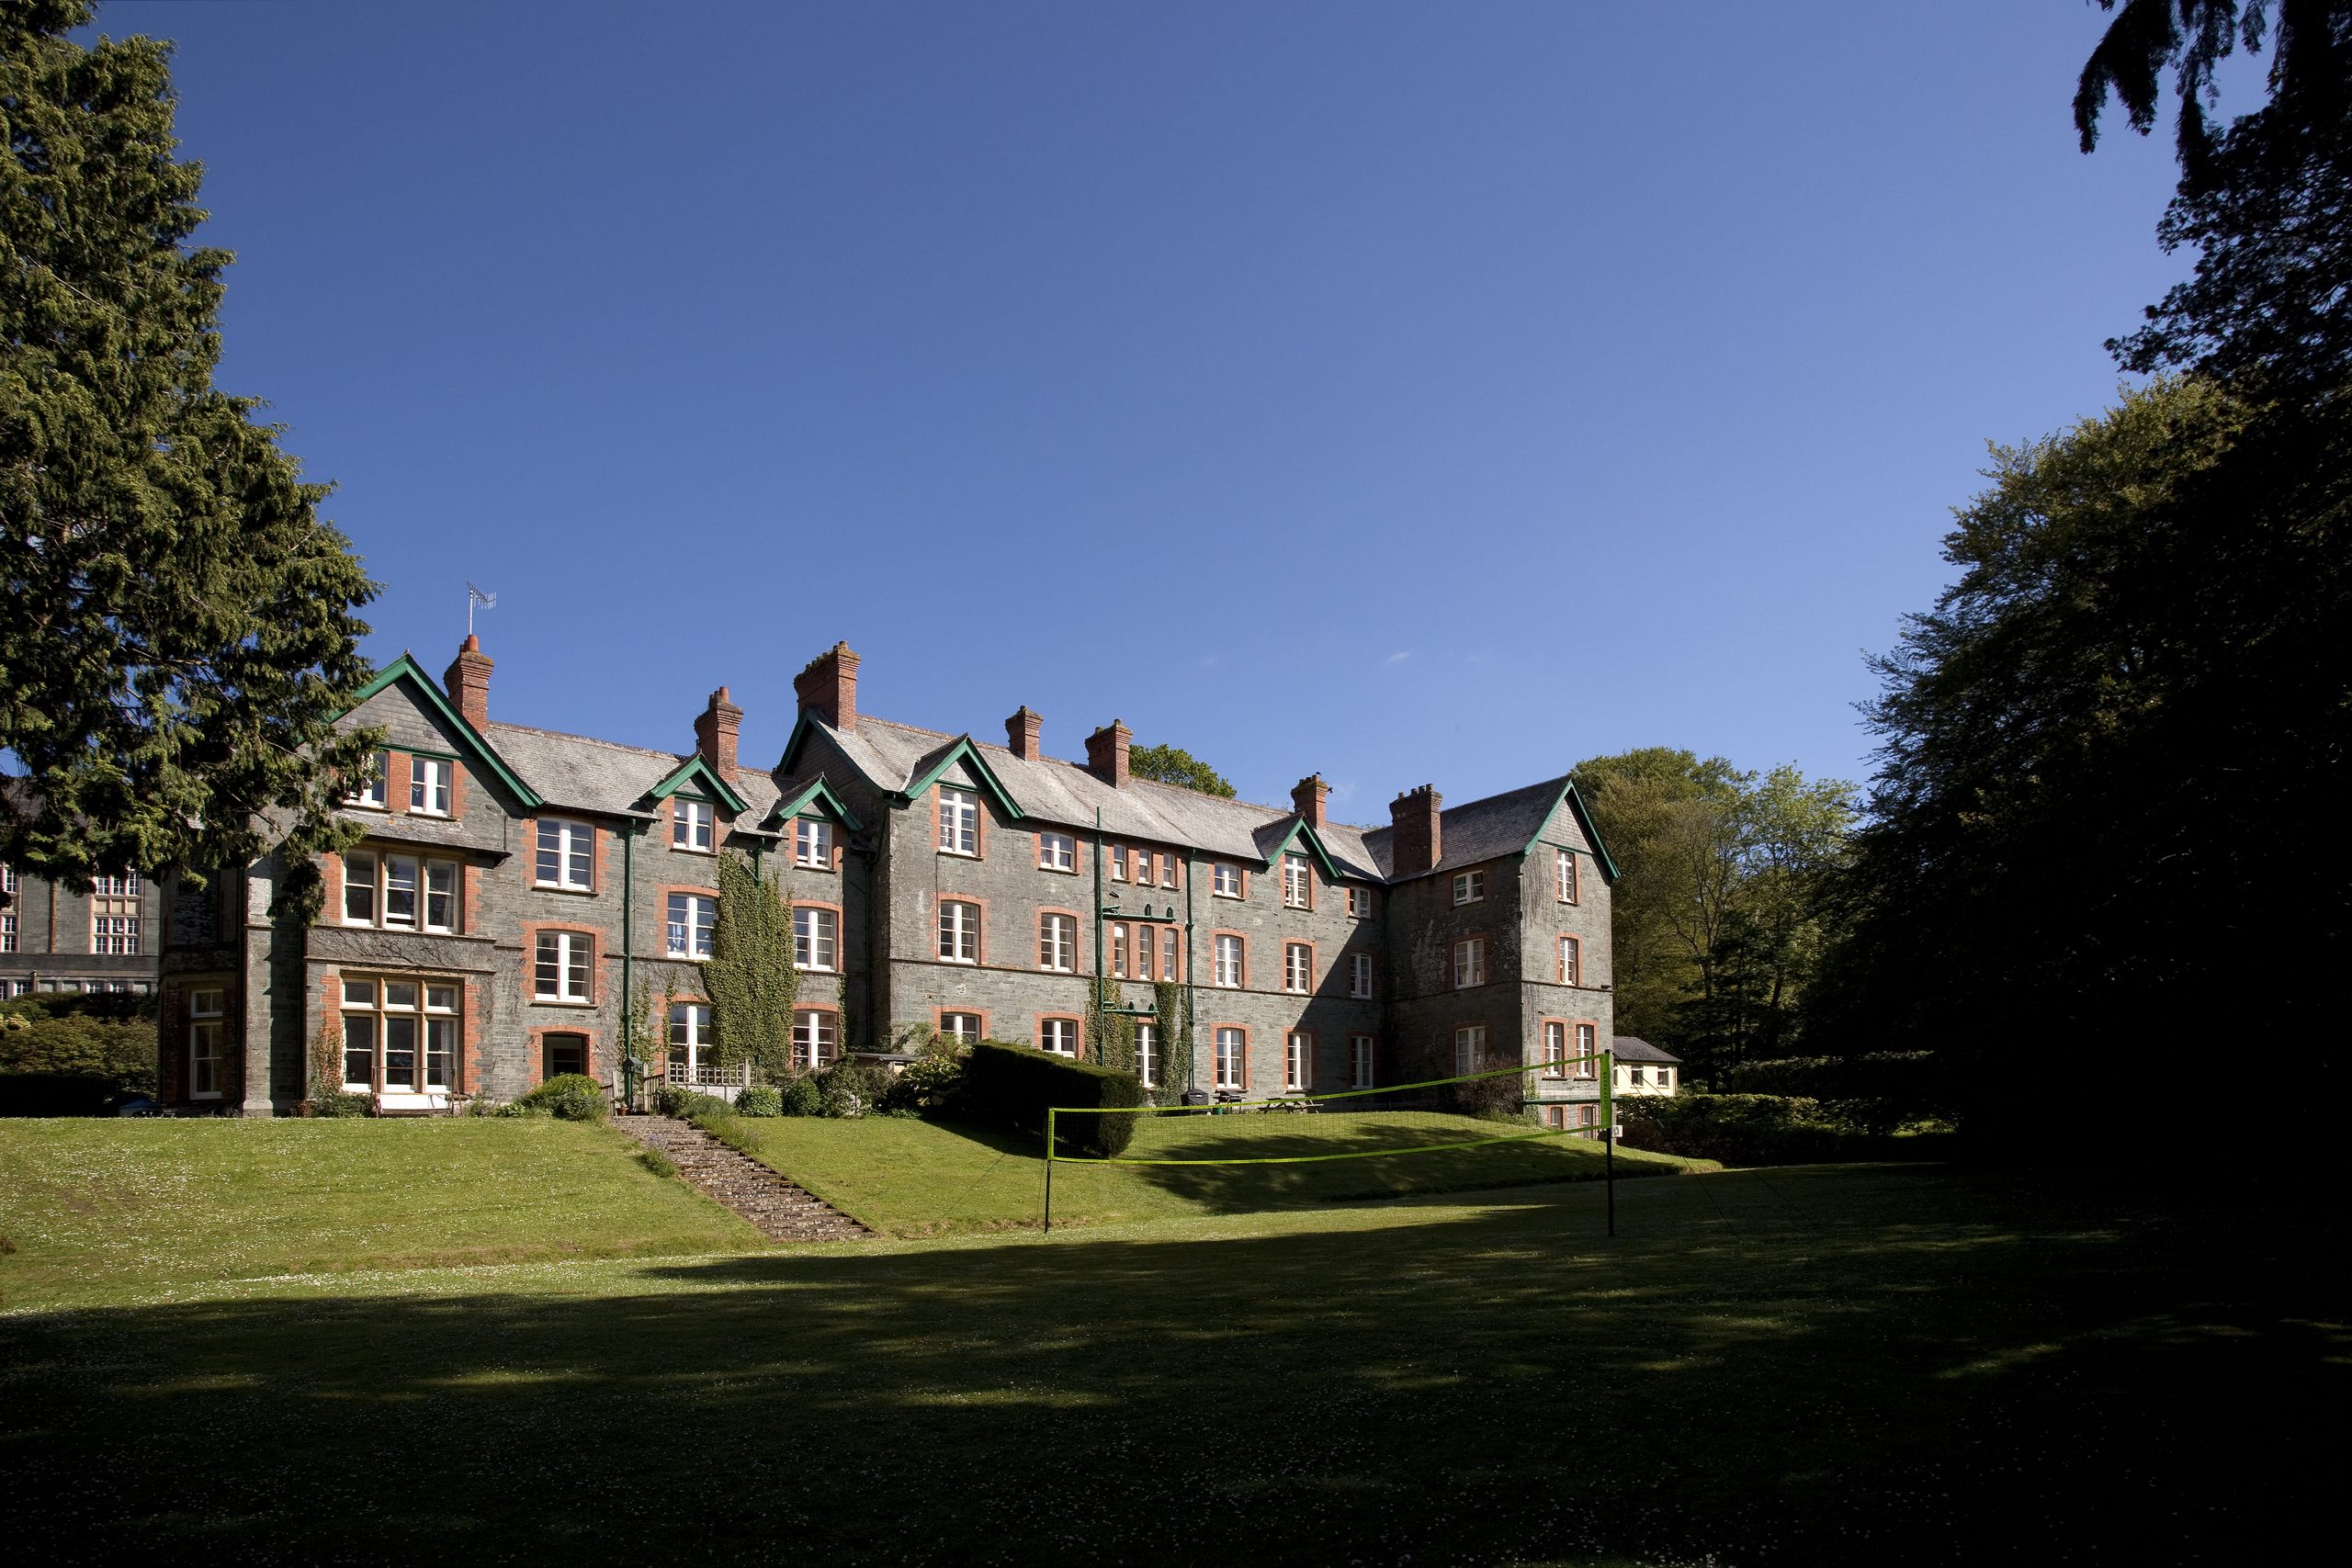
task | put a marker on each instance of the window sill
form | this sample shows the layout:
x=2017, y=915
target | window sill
x=559, y=887
x=435, y=816
x=1060, y=870
x=966, y=963
x=691, y=850
x=962, y=854
x=379, y=809
x=561, y=1002
x=685, y=958
x=812, y=865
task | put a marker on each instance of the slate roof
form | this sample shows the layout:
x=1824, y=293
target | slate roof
x=1630, y=1049
x=588, y=775
x=1481, y=829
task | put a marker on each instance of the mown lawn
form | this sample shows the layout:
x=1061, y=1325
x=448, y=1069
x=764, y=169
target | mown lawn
x=906, y=1177
x=1844, y=1365
x=93, y=1206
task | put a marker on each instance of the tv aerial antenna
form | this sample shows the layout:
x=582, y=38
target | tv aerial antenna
x=476, y=597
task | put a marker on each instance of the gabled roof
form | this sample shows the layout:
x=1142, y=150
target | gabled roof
x=694, y=770
x=795, y=796
x=428, y=696
x=926, y=769
x=1627, y=1048
x=1499, y=825
x=1279, y=837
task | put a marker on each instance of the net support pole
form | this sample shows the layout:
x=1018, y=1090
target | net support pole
x=1050, y=1171
x=1608, y=1135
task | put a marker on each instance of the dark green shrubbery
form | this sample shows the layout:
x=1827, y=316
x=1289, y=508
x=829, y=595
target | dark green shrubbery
x=96, y=1036
x=339, y=1104
x=932, y=1082
x=760, y=1100
x=1761, y=1129
x=566, y=1097
x=801, y=1098
x=1013, y=1085
x=1878, y=1092
x=848, y=1086
x=685, y=1104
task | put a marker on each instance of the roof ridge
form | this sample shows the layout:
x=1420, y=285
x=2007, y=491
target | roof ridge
x=591, y=739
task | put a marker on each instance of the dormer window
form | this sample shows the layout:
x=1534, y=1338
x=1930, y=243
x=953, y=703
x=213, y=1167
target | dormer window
x=428, y=786
x=1297, y=885
x=959, y=822
x=812, y=843
x=691, y=825
x=375, y=793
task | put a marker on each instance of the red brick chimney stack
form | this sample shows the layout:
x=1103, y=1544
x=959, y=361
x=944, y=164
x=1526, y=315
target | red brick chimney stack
x=467, y=681
x=1022, y=732
x=828, y=688
x=715, y=734
x=1415, y=838
x=1311, y=798
x=1106, y=753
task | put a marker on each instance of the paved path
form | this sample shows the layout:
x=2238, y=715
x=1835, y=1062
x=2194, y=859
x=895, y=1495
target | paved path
x=781, y=1210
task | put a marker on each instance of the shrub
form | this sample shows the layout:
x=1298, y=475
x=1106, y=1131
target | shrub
x=1759, y=1129
x=850, y=1088
x=1013, y=1085
x=57, y=1094
x=86, y=1042
x=802, y=1098
x=566, y=1097
x=760, y=1100
x=930, y=1083
x=1876, y=1092
x=657, y=1162
x=339, y=1104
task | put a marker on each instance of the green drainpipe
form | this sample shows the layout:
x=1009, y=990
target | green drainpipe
x=629, y=953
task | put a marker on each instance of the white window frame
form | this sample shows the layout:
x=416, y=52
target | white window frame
x=959, y=933
x=1236, y=1058
x=1588, y=1038
x=1469, y=962
x=1360, y=975
x=694, y=824
x=1058, y=1036
x=1232, y=962
x=816, y=1037
x=1118, y=863
x=816, y=939
x=1118, y=935
x=207, y=1021
x=1298, y=968
x=1571, y=961
x=1057, y=852
x=375, y=791
x=1469, y=887
x=959, y=822
x=950, y=1027
x=690, y=926
x=1225, y=880
x=1298, y=885
x=1057, y=943
x=690, y=1034
x=1556, y=1050
x=1148, y=1054
x=1360, y=903
x=1298, y=1061
x=430, y=786
x=1568, y=884
x=1171, y=958
x=8, y=932
x=1360, y=1061
x=574, y=958
x=812, y=843
x=1470, y=1048
x=572, y=847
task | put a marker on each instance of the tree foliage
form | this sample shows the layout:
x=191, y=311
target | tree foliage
x=1717, y=909
x=1174, y=765
x=179, y=636
x=750, y=975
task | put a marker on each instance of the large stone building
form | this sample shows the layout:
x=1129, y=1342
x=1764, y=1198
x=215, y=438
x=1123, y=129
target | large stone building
x=514, y=885
x=54, y=939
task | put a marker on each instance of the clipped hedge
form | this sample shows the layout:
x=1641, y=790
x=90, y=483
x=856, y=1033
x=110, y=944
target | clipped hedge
x=1014, y=1085
x=1761, y=1129
x=1876, y=1092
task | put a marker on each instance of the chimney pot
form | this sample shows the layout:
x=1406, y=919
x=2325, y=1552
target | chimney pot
x=715, y=731
x=1311, y=797
x=1022, y=732
x=828, y=687
x=467, y=681
x=1106, y=753
x=1415, y=836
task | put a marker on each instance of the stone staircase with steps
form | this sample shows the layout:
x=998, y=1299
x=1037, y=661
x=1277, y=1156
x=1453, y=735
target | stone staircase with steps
x=780, y=1210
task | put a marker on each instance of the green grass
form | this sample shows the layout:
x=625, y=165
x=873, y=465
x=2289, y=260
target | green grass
x=1849, y=1365
x=94, y=1207
x=909, y=1178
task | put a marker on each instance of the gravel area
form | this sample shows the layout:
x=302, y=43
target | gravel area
x=779, y=1209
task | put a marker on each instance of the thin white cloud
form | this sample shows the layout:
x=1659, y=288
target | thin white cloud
x=1398, y=658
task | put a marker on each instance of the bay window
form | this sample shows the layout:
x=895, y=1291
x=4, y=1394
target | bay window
x=399, y=1036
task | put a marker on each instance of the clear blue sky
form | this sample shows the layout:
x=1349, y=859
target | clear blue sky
x=1439, y=393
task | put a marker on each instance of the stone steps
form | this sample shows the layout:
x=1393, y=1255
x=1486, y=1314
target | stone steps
x=779, y=1209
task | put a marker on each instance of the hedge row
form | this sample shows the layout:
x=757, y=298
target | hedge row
x=1014, y=1085
x=122, y=1053
x=1761, y=1129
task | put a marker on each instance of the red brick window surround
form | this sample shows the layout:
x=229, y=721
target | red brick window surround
x=1556, y=1048
x=1587, y=1037
x=959, y=931
x=1298, y=967
x=431, y=786
x=816, y=1037
x=1058, y=1035
x=400, y=1033
x=690, y=922
x=1227, y=881
x=1298, y=1061
x=1360, y=974
x=1232, y=1055
x=964, y=1028
x=1232, y=967
x=563, y=966
x=1571, y=961
x=1057, y=852
x=815, y=937
x=565, y=856
x=1118, y=863
x=694, y=824
x=812, y=843
x=374, y=793
x=1360, y=903
x=1057, y=940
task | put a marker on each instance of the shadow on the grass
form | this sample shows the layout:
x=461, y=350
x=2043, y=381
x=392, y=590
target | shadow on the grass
x=1819, y=1366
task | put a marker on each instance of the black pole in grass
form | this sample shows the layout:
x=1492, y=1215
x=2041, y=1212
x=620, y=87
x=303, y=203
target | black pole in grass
x=1609, y=1134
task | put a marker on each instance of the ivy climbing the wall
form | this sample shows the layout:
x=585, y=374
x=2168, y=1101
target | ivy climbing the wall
x=751, y=977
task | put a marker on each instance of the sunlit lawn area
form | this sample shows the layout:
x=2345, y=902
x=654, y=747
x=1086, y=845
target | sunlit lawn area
x=1850, y=1365
x=907, y=1177
x=94, y=1207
